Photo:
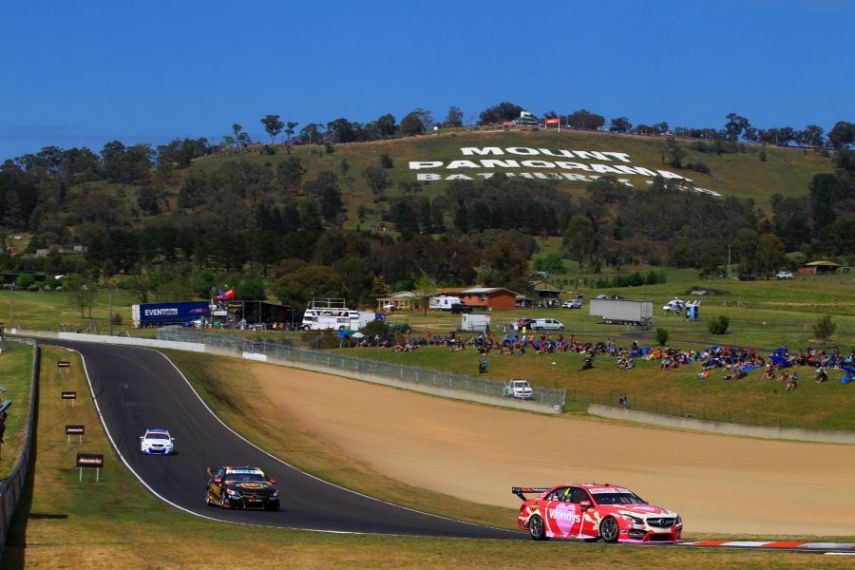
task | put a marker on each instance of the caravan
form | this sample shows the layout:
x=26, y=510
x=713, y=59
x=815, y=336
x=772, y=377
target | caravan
x=444, y=302
x=333, y=314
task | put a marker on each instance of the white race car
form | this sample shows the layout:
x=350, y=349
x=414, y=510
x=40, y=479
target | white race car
x=157, y=441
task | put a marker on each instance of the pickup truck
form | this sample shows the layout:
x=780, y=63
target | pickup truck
x=518, y=388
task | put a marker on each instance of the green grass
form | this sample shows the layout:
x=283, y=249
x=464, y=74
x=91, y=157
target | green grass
x=16, y=365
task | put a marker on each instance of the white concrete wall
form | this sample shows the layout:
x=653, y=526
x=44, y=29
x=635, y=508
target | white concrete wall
x=723, y=428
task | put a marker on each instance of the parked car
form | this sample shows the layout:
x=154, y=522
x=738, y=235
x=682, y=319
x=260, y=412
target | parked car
x=547, y=325
x=785, y=275
x=573, y=304
x=602, y=296
x=518, y=388
x=523, y=324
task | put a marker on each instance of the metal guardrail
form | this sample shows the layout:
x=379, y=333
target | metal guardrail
x=12, y=486
x=411, y=374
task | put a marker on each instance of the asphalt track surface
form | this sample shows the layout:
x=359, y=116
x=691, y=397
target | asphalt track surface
x=137, y=388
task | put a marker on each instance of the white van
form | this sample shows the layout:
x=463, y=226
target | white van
x=547, y=325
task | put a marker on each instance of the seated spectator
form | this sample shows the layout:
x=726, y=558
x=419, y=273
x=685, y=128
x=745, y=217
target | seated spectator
x=792, y=383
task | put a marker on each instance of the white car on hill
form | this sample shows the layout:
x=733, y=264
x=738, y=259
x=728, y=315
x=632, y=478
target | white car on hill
x=157, y=441
x=518, y=388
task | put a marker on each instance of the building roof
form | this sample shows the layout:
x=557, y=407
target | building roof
x=486, y=291
x=822, y=264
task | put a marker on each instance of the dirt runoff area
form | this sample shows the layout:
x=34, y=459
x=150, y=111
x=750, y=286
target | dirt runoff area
x=718, y=484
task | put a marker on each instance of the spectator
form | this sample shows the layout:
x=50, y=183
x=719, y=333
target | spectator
x=624, y=401
x=2, y=426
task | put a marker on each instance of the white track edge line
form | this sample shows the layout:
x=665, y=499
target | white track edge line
x=161, y=497
x=283, y=462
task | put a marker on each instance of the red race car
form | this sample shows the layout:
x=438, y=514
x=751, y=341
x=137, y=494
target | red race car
x=594, y=511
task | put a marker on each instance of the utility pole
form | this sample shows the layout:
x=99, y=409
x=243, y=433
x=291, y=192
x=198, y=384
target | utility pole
x=728, y=262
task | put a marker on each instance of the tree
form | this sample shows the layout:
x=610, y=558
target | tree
x=378, y=180
x=273, y=125
x=412, y=124
x=842, y=134
x=620, y=125
x=770, y=254
x=289, y=173
x=386, y=161
x=386, y=125
x=672, y=153
x=812, y=135
x=584, y=119
x=505, y=111
x=311, y=133
x=237, y=131
x=550, y=263
x=82, y=290
x=311, y=281
x=662, y=336
x=454, y=118
x=289, y=131
x=735, y=126
x=580, y=239
x=824, y=328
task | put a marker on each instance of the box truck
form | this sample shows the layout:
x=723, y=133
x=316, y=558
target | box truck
x=623, y=311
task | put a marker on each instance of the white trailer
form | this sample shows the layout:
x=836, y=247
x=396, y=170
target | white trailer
x=444, y=302
x=623, y=311
x=474, y=323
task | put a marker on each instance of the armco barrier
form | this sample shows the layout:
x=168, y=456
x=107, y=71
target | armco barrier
x=11, y=486
x=447, y=384
x=545, y=400
x=723, y=428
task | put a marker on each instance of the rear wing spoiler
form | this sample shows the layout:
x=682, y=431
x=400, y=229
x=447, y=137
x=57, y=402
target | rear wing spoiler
x=521, y=491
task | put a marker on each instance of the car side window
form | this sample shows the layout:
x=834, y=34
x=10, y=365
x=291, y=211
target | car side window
x=577, y=495
x=557, y=494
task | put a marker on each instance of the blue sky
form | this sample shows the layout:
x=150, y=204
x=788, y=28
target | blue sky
x=80, y=73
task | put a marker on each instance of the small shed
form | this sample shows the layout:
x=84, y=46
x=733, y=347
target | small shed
x=819, y=267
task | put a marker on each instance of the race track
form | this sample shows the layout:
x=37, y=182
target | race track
x=138, y=388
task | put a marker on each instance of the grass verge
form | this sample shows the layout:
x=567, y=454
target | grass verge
x=63, y=523
x=16, y=364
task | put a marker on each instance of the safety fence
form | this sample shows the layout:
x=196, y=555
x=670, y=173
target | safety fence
x=12, y=486
x=555, y=398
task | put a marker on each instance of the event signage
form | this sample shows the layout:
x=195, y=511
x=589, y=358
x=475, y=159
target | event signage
x=77, y=430
x=63, y=364
x=542, y=164
x=69, y=395
x=90, y=461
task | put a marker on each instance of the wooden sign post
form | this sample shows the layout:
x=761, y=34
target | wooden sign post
x=69, y=396
x=90, y=461
x=71, y=430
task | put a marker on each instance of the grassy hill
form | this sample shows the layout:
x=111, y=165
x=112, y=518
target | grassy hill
x=740, y=174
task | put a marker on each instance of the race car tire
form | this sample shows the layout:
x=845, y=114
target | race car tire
x=272, y=506
x=208, y=499
x=536, y=529
x=609, y=530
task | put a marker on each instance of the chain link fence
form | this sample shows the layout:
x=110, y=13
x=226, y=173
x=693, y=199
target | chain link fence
x=12, y=486
x=552, y=397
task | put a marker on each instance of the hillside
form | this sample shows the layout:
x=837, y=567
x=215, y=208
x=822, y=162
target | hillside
x=785, y=171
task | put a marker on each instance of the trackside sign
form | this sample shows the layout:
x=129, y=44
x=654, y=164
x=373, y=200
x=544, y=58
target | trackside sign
x=543, y=164
x=94, y=460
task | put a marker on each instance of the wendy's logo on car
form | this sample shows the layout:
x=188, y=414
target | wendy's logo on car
x=564, y=517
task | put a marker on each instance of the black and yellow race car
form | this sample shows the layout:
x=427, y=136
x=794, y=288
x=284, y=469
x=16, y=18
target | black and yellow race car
x=241, y=487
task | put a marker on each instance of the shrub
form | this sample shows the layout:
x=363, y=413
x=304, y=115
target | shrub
x=662, y=336
x=321, y=339
x=824, y=328
x=718, y=325
x=375, y=328
x=24, y=281
x=386, y=161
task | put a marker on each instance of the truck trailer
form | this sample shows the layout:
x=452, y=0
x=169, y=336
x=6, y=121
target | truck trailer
x=162, y=314
x=623, y=311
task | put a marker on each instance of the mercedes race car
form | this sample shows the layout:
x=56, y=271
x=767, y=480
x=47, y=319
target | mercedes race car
x=241, y=488
x=594, y=511
x=157, y=441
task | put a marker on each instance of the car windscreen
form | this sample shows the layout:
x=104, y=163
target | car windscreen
x=618, y=499
x=156, y=436
x=245, y=478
